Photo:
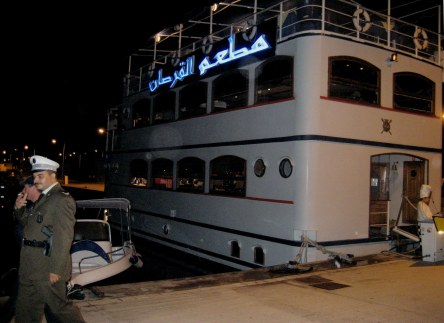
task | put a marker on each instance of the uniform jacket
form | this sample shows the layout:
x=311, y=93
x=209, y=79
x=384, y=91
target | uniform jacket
x=56, y=210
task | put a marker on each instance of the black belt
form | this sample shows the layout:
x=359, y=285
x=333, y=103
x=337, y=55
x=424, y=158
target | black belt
x=34, y=243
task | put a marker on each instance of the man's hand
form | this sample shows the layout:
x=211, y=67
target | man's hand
x=20, y=201
x=54, y=278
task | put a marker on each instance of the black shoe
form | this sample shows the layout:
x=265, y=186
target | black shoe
x=75, y=292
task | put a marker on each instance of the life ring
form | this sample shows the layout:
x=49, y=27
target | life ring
x=421, y=43
x=357, y=20
x=207, y=45
x=249, y=34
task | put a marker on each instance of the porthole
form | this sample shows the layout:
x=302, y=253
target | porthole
x=259, y=168
x=285, y=168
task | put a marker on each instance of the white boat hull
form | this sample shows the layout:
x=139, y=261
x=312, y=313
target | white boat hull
x=84, y=274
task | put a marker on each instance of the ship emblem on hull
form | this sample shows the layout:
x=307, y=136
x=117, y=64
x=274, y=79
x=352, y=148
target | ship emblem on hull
x=386, y=125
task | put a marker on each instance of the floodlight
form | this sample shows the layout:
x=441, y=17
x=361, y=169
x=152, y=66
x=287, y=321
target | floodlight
x=439, y=224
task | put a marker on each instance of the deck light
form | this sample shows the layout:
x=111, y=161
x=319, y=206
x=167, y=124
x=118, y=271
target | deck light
x=394, y=57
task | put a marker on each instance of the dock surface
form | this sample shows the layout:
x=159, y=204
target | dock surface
x=387, y=289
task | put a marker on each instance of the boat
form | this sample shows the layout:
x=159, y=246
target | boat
x=95, y=255
x=259, y=133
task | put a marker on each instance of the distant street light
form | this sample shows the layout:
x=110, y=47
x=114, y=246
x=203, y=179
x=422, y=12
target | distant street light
x=54, y=141
x=63, y=161
x=22, y=160
x=102, y=131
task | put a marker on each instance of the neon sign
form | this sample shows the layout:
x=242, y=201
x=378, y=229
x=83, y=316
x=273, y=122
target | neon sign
x=187, y=68
x=221, y=57
x=229, y=55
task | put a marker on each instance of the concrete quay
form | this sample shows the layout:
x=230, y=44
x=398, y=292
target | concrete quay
x=381, y=288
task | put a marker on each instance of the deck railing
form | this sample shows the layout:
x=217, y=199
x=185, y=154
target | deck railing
x=295, y=18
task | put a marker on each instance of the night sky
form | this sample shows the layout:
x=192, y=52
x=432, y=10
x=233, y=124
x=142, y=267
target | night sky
x=64, y=61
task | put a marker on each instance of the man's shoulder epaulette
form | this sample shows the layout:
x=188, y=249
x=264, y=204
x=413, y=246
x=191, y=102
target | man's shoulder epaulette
x=64, y=194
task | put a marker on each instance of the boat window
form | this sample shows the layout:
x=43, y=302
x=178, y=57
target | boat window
x=259, y=167
x=163, y=107
x=162, y=174
x=228, y=176
x=230, y=90
x=141, y=113
x=285, y=168
x=139, y=172
x=191, y=174
x=259, y=256
x=353, y=79
x=235, y=249
x=94, y=231
x=193, y=100
x=413, y=92
x=274, y=79
x=379, y=186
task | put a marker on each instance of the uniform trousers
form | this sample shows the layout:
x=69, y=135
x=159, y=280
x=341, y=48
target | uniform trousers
x=34, y=294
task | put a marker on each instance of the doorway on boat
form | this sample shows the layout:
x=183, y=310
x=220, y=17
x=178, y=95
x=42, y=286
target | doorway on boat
x=395, y=181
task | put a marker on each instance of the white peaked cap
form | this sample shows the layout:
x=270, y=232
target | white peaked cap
x=425, y=191
x=39, y=163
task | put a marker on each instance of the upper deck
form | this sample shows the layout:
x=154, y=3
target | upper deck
x=295, y=18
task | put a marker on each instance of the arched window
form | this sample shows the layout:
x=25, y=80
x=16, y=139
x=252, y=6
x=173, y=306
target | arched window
x=228, y=176
x=193, y=100
x=163, y=107
x=139, y=172
x=354, y=79
x=259, y=256
x=141, y=113
x=274, y=79
x=413, y=92
x=235, y=249
x=162, y=174
x=230, y=90
x=191, y=174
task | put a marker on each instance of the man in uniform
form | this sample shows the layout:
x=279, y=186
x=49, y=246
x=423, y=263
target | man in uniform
x=45, y=260
x=33, y=194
